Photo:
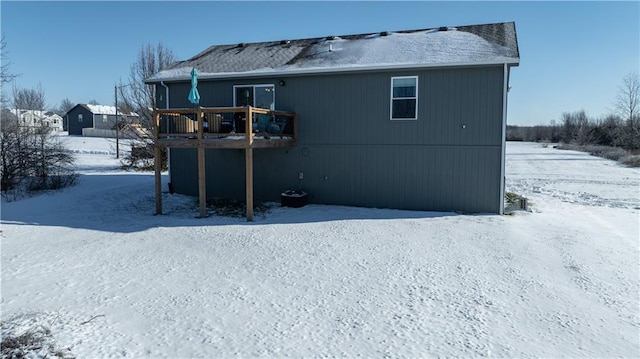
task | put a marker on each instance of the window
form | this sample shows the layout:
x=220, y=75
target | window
x=404, y=98
x=79, y=117
x=262, y=96
x=104, y=118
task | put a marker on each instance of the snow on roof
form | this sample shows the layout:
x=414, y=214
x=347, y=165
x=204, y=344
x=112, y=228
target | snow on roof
x=475, y=44
x=106, y=110
x=102, y=109
x=424, y=47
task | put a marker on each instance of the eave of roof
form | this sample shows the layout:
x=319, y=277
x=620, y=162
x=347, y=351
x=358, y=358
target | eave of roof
x=319, y=71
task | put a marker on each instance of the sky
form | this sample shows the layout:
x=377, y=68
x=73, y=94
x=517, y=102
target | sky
x=573, y=55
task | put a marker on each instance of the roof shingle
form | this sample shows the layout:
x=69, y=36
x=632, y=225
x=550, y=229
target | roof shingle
x=473, y=44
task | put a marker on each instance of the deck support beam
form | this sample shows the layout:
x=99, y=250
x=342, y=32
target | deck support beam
x=248, y=161
x=202, y=183
x=248, y=155
x=157, y=164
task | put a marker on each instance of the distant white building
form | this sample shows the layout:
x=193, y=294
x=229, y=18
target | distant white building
x=39, y=118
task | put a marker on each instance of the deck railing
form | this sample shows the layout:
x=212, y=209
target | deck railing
x=224, y=122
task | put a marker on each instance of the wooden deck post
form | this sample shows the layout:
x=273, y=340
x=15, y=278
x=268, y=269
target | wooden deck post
x=202, y=184
x=295, y=128
x=157, y=162
x=248, y=160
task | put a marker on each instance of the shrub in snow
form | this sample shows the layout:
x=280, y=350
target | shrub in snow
x=141, y=156
x=631, y=160
x=31, y=159
x=621, y=155
x=36, y=342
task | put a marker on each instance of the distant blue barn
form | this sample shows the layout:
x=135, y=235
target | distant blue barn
x=94, y=116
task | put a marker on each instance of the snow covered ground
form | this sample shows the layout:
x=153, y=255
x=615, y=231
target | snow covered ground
x=112, y=280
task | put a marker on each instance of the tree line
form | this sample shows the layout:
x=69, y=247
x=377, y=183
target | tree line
x=620, y=129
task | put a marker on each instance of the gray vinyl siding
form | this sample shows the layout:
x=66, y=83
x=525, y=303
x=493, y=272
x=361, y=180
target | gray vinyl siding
x=352, y=153
x=430, y=178
x=74, y=126
x=101, y=124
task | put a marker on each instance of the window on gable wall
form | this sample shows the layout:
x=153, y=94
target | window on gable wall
x=79, y=117
x=404, y=98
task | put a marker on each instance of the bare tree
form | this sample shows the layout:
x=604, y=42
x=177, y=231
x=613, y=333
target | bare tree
x=6, y=76
x=139, y=97
x=28, y=99
x=576, y=127
x=31, y=158
x=627, y=104
x=64, y=107
x=136, y=94
x=628, y=99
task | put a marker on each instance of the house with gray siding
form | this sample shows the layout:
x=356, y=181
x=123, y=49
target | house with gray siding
x=96, y=117
x=411, y=119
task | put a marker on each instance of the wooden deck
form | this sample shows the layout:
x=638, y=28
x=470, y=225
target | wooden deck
x=222, y=128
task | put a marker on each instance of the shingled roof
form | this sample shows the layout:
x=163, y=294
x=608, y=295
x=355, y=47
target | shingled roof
x=444, y=46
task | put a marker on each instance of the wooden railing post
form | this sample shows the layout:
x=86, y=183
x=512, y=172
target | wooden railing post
x=249, y=125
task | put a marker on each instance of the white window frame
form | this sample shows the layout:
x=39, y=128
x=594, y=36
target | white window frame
x=79, y=117
x=254, y=86
x=104, y=118
x=403, y=98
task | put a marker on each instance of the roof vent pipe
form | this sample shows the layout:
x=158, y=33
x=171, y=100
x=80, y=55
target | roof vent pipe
x=330, y=47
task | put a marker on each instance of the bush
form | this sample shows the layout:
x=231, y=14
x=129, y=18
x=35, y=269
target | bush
x=34, y=343
x=31, y=159
x=51, y=182
x=631, y=160
x=141, y=156
x=611, y=153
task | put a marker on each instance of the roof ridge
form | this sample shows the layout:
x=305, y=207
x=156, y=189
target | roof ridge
x=432, y=46
x=317, y=38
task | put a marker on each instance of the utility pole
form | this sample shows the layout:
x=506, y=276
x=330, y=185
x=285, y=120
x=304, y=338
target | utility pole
x=117, y=129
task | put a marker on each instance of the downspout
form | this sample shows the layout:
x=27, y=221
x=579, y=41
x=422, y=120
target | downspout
x=503, y=143
x=166, y=106
x=166, y=94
